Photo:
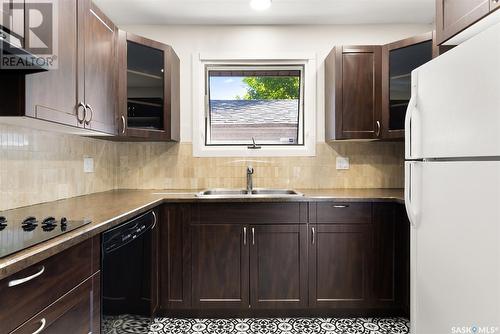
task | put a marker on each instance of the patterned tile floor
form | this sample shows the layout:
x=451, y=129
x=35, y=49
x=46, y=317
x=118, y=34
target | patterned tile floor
x=136, y=325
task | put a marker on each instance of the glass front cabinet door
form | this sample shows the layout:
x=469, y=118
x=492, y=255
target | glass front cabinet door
x=399, y=59
x=148, y=83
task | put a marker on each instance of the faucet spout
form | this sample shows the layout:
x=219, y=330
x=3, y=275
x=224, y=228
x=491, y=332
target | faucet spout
x=250, y=172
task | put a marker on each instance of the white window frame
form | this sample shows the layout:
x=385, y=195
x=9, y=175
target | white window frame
x=201, y=61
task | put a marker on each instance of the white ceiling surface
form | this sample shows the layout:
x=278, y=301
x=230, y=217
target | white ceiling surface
x=125, y=12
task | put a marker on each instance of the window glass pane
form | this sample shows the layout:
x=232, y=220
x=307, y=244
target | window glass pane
x=262, y=103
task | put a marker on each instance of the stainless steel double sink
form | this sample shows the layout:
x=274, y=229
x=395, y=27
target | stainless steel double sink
x=243, y=193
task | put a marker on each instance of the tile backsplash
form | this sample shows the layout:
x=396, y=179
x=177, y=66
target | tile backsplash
x=172, y=166
x=38, y=166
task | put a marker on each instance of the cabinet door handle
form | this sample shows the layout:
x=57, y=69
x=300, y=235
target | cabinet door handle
x=124, y=124
x=42, y=326
x=253, y=236
x=313, y=230
x=91, y=114
x=155, y=220
x=80, y=105
x=379, y=127
x=244, y=236
x=26, y=279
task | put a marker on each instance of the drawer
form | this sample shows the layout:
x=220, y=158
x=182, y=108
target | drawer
x=251, y=213
x=31, y=290
x=71, y=313
x=343, y=213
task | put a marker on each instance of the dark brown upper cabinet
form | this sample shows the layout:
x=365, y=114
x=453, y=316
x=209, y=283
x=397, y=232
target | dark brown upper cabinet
x=98, y=81
x=452, y=16
x=148, y=91
x=353, y=93
x=81, y=91
x=399, y=59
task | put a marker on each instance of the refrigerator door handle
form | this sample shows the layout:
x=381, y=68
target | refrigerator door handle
x=411, y=202
x=412, y=107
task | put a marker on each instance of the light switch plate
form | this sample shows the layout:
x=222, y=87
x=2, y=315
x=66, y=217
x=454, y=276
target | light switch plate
x=88, y=165
x=342, y=163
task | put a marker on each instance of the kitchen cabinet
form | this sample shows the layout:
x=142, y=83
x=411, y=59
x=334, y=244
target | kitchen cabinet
x=98, y=81
x=339, y=266
x=353, y=93
x=175, y=256
x=452, y=17
x=278, y=266
x=399, y=59
x=155, y=263
x=80, y=92
x=313, y=258
x=148, y=99
x=72, y=313
x=392, y=255
x=38, y=292
x=220, y=266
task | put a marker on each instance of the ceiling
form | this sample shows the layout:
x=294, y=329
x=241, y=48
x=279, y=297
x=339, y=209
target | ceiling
x=125, y=12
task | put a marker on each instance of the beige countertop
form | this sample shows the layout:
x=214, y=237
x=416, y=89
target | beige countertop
x=108, y=209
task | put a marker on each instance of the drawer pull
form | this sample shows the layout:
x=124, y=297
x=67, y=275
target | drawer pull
x=341, y=206
x=26, y=279
x=42, y=326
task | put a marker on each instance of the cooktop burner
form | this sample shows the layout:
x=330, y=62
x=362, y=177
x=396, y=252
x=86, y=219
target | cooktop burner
x=16, y=236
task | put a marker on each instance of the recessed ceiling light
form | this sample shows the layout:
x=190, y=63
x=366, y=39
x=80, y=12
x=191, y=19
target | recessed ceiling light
x=260, y=4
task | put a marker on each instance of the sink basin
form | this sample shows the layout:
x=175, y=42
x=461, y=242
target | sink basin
x=243, y=193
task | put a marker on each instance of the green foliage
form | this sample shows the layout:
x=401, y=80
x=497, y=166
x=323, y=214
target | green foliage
x=272, y=88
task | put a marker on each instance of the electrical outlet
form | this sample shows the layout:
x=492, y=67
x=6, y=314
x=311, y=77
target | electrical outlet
x=342, y=163
x=88, y=165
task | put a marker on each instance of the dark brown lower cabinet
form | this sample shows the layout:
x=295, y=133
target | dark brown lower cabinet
x=278, y=266
x=227, y=260
x=72, y=313
x=339, y=266
x=392, y=257
x=220, y=266
x=175, y=256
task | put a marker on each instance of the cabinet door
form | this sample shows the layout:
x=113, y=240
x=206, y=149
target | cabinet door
x=339, y=266
x=52, y=95
x=175, y=256
x=453, y=16
x=399, y=59
x=148, y=88
x=358, y=92
x=72, y=313
x=278, y=266
x=220, y=266
x=99, y=67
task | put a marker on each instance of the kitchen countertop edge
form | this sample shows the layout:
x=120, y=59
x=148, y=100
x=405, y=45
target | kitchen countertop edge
x=32, y=255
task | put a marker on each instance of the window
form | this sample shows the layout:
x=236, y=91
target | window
x=254, y=104
x=242, y=97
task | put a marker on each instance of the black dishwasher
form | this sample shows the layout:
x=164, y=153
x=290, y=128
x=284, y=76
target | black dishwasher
x=127, y=272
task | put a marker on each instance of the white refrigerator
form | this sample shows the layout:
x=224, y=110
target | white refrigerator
x=452, y=189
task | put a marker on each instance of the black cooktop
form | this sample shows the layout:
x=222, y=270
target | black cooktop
x=18, y=235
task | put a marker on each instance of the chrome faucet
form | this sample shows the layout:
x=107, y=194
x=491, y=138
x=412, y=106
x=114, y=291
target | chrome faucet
x=249, y=179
